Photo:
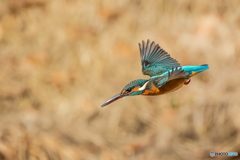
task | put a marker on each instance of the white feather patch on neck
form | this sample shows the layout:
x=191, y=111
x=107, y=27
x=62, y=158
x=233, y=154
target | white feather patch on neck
x=143, y=87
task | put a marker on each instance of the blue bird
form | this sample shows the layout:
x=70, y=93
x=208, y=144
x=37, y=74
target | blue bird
x=166, y=74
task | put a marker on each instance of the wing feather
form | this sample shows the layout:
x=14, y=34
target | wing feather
x=177, y=73
x=155, y=60
x=174, y=73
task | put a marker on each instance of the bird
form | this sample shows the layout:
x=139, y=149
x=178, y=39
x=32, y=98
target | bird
x=166, y=74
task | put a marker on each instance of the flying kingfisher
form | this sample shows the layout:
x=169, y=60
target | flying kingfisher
x=166, y=74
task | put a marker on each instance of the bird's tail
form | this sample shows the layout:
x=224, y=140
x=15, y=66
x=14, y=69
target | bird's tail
x=202, y=68
x=193, y=70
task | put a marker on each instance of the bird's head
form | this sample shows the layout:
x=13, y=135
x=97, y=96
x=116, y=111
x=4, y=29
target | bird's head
x=133, y=88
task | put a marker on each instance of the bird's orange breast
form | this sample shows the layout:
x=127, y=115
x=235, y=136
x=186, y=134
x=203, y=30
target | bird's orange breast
x=170, y=86
x=154, y=91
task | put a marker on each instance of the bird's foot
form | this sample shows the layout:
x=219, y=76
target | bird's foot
x=187, y=81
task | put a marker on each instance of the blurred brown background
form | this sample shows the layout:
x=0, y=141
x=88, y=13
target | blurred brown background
x=61, y=60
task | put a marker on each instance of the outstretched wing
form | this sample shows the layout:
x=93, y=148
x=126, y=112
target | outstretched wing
x=155, y=60
x=174, y=73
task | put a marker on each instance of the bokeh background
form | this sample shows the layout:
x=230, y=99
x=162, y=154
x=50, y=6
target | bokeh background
x=60, y=60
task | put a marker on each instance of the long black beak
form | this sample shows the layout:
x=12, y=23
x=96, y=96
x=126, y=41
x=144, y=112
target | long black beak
x=116, y=97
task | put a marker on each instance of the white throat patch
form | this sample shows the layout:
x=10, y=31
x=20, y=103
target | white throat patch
x=143, y=87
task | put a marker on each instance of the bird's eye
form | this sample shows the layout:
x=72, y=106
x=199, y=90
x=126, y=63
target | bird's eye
x=128, y=90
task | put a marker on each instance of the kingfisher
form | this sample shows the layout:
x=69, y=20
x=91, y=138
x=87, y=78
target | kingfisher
x=166, y=74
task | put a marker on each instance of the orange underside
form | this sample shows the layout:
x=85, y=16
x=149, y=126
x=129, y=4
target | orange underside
x=170, y=86
x=154, y=91
x=166, y=88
